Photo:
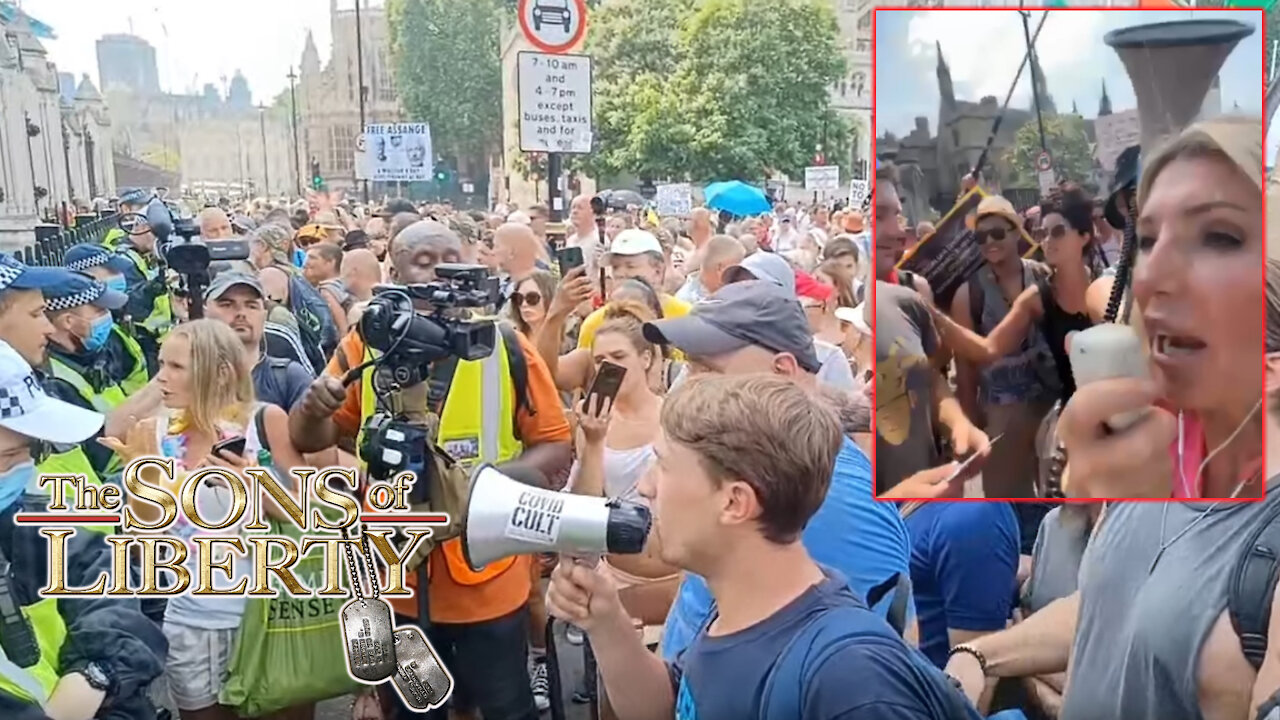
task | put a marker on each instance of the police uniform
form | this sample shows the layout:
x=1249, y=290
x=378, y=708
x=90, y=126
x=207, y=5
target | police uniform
x=88, y=379
x=107, y=640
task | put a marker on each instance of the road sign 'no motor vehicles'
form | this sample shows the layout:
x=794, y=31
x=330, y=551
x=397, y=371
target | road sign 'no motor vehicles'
x=553, y=26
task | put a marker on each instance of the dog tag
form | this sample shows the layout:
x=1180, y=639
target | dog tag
x=367, y=636
x=421, y=680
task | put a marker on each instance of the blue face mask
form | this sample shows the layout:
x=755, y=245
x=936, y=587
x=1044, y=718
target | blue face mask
x=99, y=333
x=15, y=482
x=117, y=283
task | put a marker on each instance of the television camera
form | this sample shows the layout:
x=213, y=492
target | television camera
x=180, y=248
x=410, y=327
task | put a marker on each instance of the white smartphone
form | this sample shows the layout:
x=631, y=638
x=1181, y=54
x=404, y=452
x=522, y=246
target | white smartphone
x=1106, y=352
x=969, y=460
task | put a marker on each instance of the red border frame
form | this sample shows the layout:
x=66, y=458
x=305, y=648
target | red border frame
x=555, y=49
x=1262, y=271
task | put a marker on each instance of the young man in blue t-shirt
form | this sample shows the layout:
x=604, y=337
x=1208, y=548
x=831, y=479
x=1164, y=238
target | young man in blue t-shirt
x=757, y=326
x=743, y=463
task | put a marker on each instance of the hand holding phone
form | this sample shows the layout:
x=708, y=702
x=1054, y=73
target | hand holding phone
x=233, y=446
x=606, y=385
x=569, y=258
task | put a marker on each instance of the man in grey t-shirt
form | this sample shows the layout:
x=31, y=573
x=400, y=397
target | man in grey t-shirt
x=905, y=340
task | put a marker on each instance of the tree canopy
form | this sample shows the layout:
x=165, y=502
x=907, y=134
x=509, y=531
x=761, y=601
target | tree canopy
x=1068, y=145
x=714, y=89
x=448, y=72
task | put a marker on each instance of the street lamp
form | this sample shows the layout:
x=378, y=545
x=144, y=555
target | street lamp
x=262, y=121
x=33, y=130
x=293, y=120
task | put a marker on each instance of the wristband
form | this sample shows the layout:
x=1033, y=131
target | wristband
x=966, y=649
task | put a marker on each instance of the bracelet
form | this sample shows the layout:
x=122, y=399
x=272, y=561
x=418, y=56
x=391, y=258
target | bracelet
x=966, y=649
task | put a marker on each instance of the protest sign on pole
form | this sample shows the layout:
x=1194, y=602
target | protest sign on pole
x=674, y=200
x=951, y=255
x=394, y=152
x=857, y=193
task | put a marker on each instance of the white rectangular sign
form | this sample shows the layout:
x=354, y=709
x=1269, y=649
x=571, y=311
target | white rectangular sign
x=395, y=152
x=822, y=178
x=1047, y=181
x=1114, y=133
x=555, y=102
x=675, y=200
x=857, y=193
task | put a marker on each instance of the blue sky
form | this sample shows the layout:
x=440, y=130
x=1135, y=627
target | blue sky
x=984, y=48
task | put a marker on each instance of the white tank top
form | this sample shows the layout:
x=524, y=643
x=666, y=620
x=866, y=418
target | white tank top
x=622, y=470
x=214, y=503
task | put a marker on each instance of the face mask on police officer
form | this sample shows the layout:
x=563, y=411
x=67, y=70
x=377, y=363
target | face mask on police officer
x=117, y=283
x=93, y=332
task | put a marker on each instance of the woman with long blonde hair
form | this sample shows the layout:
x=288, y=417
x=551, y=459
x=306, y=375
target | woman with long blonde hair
x=206, y=389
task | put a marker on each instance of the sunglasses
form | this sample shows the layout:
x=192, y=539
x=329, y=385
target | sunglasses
x=993, y=234
x=532, y=298
x=1057, y=232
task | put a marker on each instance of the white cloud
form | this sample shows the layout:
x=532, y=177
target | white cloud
x=984, y=49
x=195, y=42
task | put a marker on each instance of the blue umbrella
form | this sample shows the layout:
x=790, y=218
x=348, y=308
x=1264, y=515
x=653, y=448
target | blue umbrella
x=736, y=198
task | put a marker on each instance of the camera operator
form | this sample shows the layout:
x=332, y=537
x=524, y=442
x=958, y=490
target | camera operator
x=479, y=619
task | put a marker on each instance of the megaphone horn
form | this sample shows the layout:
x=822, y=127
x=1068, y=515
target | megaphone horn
x=1172, y=65
x=507, y=517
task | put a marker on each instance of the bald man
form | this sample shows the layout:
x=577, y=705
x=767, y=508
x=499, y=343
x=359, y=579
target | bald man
x=517, y=250
x=719, y=253
x=361, y=272
x=214, y=224
x=483, y=622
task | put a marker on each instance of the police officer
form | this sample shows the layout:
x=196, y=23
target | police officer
x=129, y=369
x=149, y=308
x=84, y=365
x=132, y=200
x=91, y=657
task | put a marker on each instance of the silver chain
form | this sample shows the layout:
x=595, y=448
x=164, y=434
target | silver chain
x=356, y=585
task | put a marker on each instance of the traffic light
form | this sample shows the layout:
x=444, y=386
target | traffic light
x=442, y=175
x=316, y=180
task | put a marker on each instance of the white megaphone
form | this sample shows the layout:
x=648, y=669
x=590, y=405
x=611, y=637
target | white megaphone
x=507, y=517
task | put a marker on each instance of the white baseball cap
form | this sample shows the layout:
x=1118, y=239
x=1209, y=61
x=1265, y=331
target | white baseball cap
x=635, y=242
x=855, y=317
x=26, y=409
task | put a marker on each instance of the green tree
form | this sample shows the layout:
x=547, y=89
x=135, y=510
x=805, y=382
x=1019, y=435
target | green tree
x=714, y=89
x=1068, y=145
x=448, y=73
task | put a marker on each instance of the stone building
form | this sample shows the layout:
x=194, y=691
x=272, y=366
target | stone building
x=329, y=94
x=127, y=62
x=55, y=135
x=851, y=97
x=931, y=166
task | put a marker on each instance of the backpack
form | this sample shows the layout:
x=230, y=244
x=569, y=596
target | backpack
x=1253, y=583
x=315, y=321
x=821, y=636
x=283, y=343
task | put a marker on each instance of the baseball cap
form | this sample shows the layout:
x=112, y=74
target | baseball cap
x=996, y=205
x=855, y=316
x=84, y=256
x=77, y=289
x=763, y=266
x=395, y=206
x=233, y=278
x=635, y=242
x=17, y=276
x=243, y=223
x=1128, y=167
x=752, y=312
x=26, y=409
x=809, y=287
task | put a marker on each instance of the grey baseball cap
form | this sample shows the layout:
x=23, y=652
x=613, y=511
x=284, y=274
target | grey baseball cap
x=763, y=266
x=751, y=312
x=224, y=281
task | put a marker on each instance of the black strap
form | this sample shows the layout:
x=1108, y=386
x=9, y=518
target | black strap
x=1270, y=709
x=897, y=614
x=519, y=367
x=1252, y=585
x=260, y=424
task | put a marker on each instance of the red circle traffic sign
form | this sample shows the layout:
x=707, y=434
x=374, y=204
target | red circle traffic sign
x=553, y=26
x=1043, y=161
